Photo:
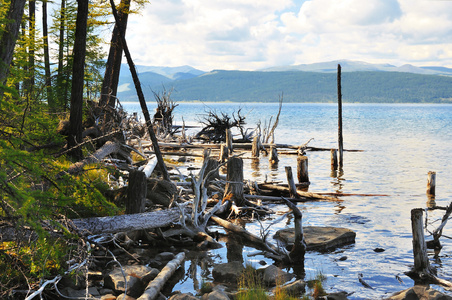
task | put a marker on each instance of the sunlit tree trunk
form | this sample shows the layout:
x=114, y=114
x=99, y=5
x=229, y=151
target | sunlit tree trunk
x=48, y=75
x=113, y=67
x=76, y=112
x=60, y=72
x=8, y=38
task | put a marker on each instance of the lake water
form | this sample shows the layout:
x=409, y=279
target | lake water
x=401, y=144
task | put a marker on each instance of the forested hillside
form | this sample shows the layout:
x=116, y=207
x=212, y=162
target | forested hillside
x=300, y=86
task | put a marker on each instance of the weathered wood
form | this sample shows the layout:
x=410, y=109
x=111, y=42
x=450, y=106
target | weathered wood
x=234, y=181
x=334, y=163
x=229, y=140
x=150, y=166
x=339, y=126
x=273, y=157
x=291, y=183
x=299, y=247
x=283, y=188
x=140, y=94
x=224, y=153
x=255, y=149
x=154, y=287
x=136, y=192
x=421, y=262
x=107, y=149
x=431, y=183
x=244, y=233
x=302, y=169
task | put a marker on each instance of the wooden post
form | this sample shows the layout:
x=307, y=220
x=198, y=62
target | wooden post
x=339, y=101
x=334, y=163
x=255, y=147
x=431, y=183
x=224, y=153
x=292, y=188
x=273, y=158
x=229, y=140
x=136, y=192
x=421, y=262
x=234, y=181
x=302, y=169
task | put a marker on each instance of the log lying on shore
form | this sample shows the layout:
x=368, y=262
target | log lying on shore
x=114, y=224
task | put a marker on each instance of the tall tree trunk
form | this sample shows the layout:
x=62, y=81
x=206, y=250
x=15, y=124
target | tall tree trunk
x=78, y=71
x=48, y=75
x=61, y=72
x=9, y=37
x=31, y=49
x=113, y=66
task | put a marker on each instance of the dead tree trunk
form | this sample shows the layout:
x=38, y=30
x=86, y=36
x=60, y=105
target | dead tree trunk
x=256, y=147
x=136, y=192
x=234, y=185
x=302, y=169
x=107, y=149
x=143, y=104
x=292, y=188
x=273, y=158
x=299, y=247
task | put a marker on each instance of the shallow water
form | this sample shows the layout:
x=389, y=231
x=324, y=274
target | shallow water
x=401, y=144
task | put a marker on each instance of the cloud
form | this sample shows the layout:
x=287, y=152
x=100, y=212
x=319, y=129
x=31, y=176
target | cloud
x=251, y=34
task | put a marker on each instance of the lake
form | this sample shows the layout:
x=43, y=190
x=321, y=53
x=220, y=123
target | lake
x=401, y=143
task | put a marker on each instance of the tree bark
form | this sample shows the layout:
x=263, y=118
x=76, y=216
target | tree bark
x=154, y=287
x=78, y=73
x=234, y=181
x=107, y=149
x=136, y=192
x=9, y=37
x=143, y=104
x=48, y=74
x=113, y=66
x=60, y=72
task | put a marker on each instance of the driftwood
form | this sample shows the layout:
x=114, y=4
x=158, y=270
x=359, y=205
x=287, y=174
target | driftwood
x=107, y=149
x=154, y=287
x=306, y=195
x=234, y=183
x=299, y=247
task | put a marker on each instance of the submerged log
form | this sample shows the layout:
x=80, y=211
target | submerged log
x=306, y=195
x=154, y=287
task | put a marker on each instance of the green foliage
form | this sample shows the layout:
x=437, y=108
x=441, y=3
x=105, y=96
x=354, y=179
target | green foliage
x=251, y=285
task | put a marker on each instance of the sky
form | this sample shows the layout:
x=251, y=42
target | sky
x=257, y=34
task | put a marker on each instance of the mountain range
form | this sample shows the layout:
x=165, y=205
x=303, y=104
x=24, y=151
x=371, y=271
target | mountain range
x=317, y=82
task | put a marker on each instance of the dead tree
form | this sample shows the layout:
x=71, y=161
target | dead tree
x=163, y=116
x=234, y=185
x=215, y=125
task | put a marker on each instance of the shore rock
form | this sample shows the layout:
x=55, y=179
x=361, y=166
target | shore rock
x=228, y=272
x=319, y=238
x=215, y=295
x=273, y=275
x=183, y=297
x=419, y=292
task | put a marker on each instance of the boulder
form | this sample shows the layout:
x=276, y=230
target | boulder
x=273, y=275
x=419, y=292
x=137, y=277
x=70, y=292
x=319, y=238
x=228, y=272
x=293, y=289
x=183, y=297
x=216, y=295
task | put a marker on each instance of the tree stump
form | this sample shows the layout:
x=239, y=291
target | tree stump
x=334, y=163
x=224, y=153
x=302, y=169
x=273, y=158
x=422, y=266
x=292, y=188
x=255, y=147
x=212, y=165
x=136, y=192
x=234, y=181
x=431, y=183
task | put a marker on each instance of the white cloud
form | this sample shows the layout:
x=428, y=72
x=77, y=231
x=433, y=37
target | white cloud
x=251, y=34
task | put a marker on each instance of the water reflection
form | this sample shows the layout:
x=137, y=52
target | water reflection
x=255, y=162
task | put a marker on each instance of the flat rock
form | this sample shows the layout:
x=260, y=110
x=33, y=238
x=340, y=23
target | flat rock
x=228, y=272
x=137, y=277
x=273, y=275
x=419, y=292
x=319, y=238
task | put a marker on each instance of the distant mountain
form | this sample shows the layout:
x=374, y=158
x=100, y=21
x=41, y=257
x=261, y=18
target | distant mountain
x=361, y=82
x=358, y=66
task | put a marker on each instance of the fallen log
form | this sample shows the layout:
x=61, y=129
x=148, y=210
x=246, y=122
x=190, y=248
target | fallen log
x=154, y=287
x=307, y=195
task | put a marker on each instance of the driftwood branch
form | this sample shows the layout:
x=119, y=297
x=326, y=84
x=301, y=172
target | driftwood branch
x=154, y=287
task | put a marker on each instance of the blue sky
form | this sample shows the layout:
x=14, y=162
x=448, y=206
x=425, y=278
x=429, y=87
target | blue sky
x=255, y=34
